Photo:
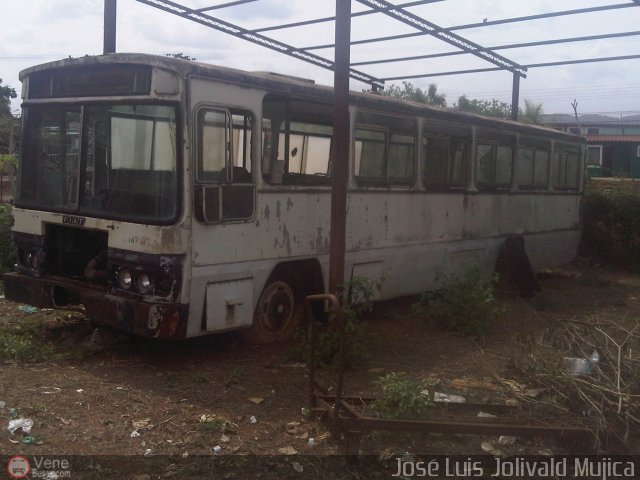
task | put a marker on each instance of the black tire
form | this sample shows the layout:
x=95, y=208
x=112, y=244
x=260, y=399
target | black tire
x=280, y=309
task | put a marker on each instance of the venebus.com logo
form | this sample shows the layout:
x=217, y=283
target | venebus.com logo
x=39, y=467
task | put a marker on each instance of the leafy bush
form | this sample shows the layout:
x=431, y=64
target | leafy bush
x=7, y=250
x=401, y=398
x=355, y=300
x=464, y=303
x=611, y=228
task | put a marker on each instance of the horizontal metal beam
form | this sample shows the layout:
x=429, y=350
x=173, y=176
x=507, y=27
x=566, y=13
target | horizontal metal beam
x=440, y=33
x=501, y=47
x=484, y=24
x=532, y=65
x=244, y=34
x=332, y=19
x=223, y=5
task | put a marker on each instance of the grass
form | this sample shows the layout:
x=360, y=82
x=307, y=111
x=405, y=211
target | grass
x=212, y=424
x=23, y=343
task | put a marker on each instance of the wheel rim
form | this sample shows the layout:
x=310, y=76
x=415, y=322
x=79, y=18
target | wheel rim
x=277, y=306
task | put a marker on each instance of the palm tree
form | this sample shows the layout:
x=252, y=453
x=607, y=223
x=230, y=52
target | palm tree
x=532, y=112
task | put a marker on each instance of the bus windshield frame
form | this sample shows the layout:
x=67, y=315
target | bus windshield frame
x=115, y=160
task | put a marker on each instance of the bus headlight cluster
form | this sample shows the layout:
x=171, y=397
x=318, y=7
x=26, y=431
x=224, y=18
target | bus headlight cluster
x=127, y=279
x=30, y=259
x=124, y=278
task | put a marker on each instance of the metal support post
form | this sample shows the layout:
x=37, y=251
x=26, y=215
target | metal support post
x=110, y=8
x=515, y=97
x=340, y=167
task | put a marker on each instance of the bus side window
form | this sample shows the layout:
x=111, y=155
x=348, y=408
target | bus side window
x=565, y=168
x=384, y=149
x=533, y=166
x=494, y=160
x=296, y=142
x=445, y=156
x=224, y=187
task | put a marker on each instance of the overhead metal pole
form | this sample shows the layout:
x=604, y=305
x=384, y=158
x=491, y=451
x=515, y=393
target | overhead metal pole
x=109, y=45
x=515, y=97
x=341, y=124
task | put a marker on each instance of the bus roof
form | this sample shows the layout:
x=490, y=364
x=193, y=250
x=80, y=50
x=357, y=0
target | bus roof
x=298, y=87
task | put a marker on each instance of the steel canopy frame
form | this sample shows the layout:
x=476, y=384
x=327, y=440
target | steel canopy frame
x=342, y=66
x=209, y=21
x=443, y=34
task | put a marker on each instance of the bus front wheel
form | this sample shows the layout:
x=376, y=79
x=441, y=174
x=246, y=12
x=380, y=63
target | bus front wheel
x=279, y=311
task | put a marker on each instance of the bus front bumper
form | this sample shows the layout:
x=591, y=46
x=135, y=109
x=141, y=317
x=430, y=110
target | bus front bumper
x=149, y=319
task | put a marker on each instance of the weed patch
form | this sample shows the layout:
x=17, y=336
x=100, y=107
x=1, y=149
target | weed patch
x=464, y=303
x=401, y=398
x=22, y=343
x=355, y=300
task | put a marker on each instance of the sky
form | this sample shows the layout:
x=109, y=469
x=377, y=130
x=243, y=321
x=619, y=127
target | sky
x=40, y=31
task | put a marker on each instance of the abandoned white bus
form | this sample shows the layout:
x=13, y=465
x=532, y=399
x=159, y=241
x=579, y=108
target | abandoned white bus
x=176, y=199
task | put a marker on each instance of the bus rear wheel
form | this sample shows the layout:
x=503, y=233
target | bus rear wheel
x=279, y=311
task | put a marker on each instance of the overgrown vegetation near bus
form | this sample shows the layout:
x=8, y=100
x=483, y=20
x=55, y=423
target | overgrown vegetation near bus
x=611, y=223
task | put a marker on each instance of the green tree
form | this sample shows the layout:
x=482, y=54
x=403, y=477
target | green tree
x=408, y=91
x=7, y=120
x=532, y=112
x=6, y=94
x=490, y=108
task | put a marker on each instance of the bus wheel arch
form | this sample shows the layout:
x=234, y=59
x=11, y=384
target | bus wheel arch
x=280, y=309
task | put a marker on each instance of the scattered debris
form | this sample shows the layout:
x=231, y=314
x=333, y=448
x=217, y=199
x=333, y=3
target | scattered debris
x=135, y=434
x=288, y=450
x=253, y=419
x=305, y=411
x=297, y=467
x=292, y=428
x=485, y=415
x=256, y=400
x=445, y=397
x=581, y=366
x=225, y=438
x=80, y=390
x=487, y=447
x=27, y=309
x=50, y=390
x=506, y=440
x=147, y=452
x=217, y=449
x=312, y=442
x=24, y=424
x=2, y=405
x=142, y=424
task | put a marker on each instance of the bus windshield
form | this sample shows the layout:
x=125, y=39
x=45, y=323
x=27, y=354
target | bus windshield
x=112, y=161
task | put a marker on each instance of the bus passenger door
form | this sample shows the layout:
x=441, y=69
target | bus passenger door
x=224, y=220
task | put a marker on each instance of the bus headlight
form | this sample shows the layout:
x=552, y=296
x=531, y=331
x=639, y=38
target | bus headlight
x=124, y=278
x=144, y=284
x=33, y=260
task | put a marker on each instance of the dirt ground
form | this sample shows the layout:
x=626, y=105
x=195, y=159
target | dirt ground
x=94, y=391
